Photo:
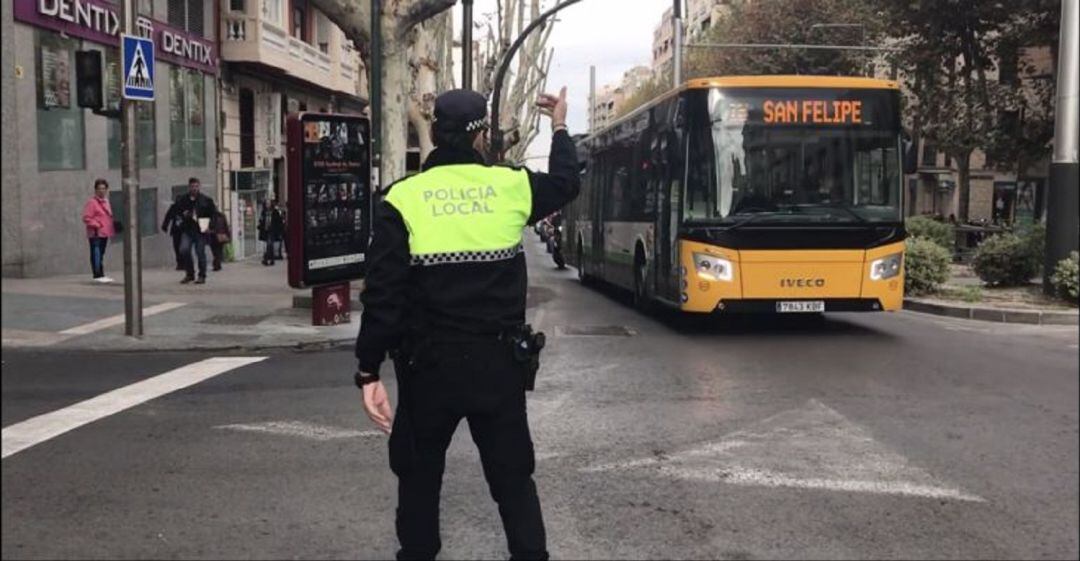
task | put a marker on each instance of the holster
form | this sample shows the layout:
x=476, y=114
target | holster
x=526, y=346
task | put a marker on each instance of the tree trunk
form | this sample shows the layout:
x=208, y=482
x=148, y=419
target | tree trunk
x=963, y=172
x=396, y=82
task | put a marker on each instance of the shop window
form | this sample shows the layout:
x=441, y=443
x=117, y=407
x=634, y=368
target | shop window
x=146, y=146
x=187, y=118
x=60, y=134
x=148, y=210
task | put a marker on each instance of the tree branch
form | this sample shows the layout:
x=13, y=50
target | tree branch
x=352, y=16
x=421, y=10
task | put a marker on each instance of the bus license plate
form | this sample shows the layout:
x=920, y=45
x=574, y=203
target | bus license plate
x=801, y=307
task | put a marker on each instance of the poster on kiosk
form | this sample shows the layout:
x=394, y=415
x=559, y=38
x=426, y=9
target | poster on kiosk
x=329, y=208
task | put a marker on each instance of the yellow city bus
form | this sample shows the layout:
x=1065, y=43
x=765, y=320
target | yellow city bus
x=772, y=194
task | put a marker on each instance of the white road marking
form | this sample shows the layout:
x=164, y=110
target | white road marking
x=301, y=429
x=812, y=447
x=30, y=432
x=118, y=319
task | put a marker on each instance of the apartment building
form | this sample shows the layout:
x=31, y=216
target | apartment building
x=53, y=150
x=277, y=57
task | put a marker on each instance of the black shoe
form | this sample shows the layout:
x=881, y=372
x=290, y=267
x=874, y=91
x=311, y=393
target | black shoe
x=186, y=279
x=217, y=267
x=200, y=280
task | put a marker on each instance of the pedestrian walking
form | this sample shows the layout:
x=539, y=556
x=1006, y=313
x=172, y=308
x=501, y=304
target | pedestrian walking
x=97, y=215
x=173, y=225
x=196, y=210
x=446, y=296
x=271, y=230
x=220, y=235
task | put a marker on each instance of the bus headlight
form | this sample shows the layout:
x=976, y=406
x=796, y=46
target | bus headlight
x=711, y=267
x=887, y=267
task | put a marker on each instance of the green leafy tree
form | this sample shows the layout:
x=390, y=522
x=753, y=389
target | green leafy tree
x=788, y=22
x=948, y=54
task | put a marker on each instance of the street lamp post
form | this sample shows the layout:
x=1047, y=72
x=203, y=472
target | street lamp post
x=466, y=44
x=1062, y=220
x=500, y=74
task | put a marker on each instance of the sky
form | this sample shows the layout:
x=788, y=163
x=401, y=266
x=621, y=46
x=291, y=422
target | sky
x=613, y=35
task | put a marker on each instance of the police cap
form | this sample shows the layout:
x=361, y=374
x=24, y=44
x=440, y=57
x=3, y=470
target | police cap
x=460, y=111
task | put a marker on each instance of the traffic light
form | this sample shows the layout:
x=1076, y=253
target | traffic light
x=88, y=79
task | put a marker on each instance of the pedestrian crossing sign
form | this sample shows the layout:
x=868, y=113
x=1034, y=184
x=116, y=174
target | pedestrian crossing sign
x=138, y=65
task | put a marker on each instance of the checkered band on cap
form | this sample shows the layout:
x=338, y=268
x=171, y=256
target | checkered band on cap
x=476, y=125
x=467, y=256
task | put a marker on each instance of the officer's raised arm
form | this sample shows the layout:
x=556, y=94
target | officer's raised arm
x=553, y=190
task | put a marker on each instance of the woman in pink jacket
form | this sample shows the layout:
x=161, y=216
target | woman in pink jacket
x=98, y=217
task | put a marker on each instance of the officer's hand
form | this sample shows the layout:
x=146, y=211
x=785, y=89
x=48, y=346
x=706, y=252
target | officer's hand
x=377, y=405
x=554, y=107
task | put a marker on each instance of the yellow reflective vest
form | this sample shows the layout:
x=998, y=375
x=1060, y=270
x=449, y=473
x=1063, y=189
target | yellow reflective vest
x=463, y=213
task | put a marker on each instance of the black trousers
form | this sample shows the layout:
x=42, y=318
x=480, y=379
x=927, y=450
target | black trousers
x=480, y=382
x=176, y=234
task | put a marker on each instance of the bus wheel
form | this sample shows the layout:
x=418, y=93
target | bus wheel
x=641, y=296
x=581, y=277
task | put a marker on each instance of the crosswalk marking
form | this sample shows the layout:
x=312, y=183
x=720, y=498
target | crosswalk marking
x=118, y=319
x=812, y=447
x=301, y=429
x=36, y=430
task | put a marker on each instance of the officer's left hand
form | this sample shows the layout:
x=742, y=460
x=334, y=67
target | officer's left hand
x=377, y=405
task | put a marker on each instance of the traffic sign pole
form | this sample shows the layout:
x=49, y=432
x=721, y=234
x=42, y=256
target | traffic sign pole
x=129, y=174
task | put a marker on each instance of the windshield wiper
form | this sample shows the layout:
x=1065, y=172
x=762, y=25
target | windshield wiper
x=858, y=217
x=751, y=218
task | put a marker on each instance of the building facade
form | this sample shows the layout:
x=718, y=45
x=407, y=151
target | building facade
x=228, y=72
x=663, y=46
x=53, y=150
x=277, y=57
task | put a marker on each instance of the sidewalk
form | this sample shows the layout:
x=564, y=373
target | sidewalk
x=243, y=306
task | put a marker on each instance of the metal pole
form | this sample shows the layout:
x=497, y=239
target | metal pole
x=677, y=34
x=129, y=180
x=1062, y=219
x=466, y=44
x=500, y=74
x=376, y=95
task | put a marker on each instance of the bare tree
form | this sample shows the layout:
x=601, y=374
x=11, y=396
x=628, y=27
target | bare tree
x=430, y=59
x=399, y=21
x=519, y=118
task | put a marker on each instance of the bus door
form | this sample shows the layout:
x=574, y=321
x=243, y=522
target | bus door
x=668, y=153
x=596, y=208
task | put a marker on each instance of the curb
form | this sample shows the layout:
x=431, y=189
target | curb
x=998, y=315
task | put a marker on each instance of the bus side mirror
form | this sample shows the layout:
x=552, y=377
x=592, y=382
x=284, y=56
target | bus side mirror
x=910, y=155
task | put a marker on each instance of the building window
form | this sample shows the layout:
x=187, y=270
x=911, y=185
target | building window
x=272, y=11
x=299, y=20
x=187, y=117
x=144, y=118
x=929, y=155
x=237, y=5
x=187, y=15
x=146, y=8
x=323, y=30
x=60, y=134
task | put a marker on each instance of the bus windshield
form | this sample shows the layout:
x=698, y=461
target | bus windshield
x=813, y=155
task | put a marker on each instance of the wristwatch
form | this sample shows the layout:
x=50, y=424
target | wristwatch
x=361, y=380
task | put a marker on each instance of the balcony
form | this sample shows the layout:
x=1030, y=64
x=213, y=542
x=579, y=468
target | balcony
x=248, y=37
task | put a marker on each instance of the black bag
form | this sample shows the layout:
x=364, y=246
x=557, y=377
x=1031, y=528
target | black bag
x=118, y=226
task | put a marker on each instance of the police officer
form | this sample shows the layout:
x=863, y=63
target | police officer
x=445, y=296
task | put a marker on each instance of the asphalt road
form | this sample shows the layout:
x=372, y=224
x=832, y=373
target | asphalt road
x=853, y=436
